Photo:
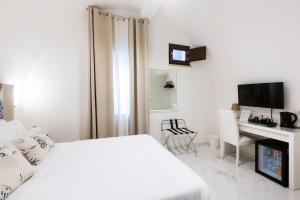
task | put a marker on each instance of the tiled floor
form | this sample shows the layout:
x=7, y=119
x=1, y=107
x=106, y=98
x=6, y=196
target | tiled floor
x=228, y=183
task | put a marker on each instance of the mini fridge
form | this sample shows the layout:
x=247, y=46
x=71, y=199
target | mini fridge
x=272, y=160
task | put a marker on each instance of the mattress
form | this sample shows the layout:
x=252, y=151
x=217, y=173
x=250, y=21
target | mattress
x=127, y=168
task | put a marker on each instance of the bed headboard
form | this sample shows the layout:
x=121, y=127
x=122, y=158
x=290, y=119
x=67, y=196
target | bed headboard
x=6, y=102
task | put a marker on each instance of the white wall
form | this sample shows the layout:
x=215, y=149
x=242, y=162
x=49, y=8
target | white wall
x=260, y=43
x=44, y=53
x=247, y=42
x=196, y=98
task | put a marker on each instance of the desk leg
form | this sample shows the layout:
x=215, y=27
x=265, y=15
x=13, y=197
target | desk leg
x=294, y=162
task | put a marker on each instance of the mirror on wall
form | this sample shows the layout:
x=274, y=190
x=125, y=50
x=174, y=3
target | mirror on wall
x=163, y=90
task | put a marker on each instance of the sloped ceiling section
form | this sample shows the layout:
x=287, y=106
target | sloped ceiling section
x=215, y=21
x=194, y=17
x=150, y=8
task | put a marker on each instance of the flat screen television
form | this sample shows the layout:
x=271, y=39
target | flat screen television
x=264, y=95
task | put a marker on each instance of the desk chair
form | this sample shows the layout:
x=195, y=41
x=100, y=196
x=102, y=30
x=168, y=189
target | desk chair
x=229, y=132
x=177, y=127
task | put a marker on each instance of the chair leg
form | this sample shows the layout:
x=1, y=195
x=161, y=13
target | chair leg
x=166, y=142
x=237, y=156
x=187, y=143
x=191, y=143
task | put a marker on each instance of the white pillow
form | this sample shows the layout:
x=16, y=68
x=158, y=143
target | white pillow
x=14, y=169
x=10, y=130
x=17, y=128
x=34, y=145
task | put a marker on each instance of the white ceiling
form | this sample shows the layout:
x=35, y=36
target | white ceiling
x=144, y=8
x=131, y=5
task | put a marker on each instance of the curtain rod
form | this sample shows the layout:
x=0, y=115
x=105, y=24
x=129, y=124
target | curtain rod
x=117, y=16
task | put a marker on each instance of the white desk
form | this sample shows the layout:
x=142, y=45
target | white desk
x=291, y=136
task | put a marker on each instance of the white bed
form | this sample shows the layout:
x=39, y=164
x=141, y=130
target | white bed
x=124, y=168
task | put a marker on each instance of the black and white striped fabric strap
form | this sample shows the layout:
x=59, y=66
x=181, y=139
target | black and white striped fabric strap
x=174, y=128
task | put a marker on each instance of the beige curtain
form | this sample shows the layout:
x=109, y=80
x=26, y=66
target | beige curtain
x=101, y=35
x=101, y=74
x=138, y=45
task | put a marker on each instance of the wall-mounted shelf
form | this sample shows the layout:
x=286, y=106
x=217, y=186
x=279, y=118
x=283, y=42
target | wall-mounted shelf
x=184, y=55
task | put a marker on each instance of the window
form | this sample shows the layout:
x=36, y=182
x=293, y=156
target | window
x=184, y=55
x=178, y=54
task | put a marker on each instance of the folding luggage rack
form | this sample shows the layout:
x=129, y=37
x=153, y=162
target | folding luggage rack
x=176, y=127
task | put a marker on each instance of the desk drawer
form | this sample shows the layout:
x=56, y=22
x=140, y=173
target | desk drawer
x=265, y=133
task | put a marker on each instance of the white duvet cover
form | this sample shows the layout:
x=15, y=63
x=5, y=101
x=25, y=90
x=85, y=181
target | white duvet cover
x=124, y=168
